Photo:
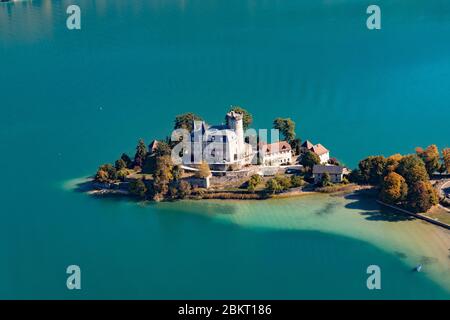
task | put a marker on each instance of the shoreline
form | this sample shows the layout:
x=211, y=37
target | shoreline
x=88, y=186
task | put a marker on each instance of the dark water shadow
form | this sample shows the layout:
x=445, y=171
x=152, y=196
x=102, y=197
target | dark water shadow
x=372, y=210
x=400, y=254
x=84, y=186
x=327, y=209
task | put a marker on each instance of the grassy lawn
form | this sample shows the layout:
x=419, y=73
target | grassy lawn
x=439, y=214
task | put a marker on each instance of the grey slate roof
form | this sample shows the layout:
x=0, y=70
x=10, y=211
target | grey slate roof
x=317, y=169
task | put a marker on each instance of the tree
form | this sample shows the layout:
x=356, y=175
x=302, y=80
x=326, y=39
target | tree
x=273, y=186
x=392, y=162
x=203, y=170
x=141, y=153
x=356, y=176
x=127, y=160
x=101, y=176
x=372, y=169
x=283, y=181
x=177, y=172
x=287, y=128
x=186, y=121
x=412, y=168
x=162, y=177
x=184, y=189
x=253, y=182
x=394, y=188
x=120, y=164
x=247, y=118
x=297, y=181
x=163, y=149
x=296, y=145
x=446, y=159
x=309, y=159
x=105, y=173
x=137, y=188
x=422, y=196
x=334, y=162
x=430, y=156
x=326, y=180
x=122, y=174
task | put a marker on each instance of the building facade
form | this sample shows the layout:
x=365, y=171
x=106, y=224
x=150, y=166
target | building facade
x=336, y=173
x=275, y=154
x=221, y=146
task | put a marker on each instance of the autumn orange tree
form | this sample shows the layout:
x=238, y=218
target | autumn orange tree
x=422, y=196
x=392, y=162
x=430, y=156
x=446, y=158
x=394, y=188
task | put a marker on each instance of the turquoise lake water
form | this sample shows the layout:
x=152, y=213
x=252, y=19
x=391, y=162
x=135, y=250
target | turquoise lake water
x=71, y=100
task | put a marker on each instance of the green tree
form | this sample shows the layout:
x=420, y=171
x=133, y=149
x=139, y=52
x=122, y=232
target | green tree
x=122, y=174
x=430, y=156
x=422, y=196
x=247, y=118
x=296, y=145
x=412, y=168
x=356, y=176
x=297, y=181
x=309, y=159
x=325, y=181
x=149, y=164
x=186, y=121
x=163, y=149
x=203, y=170
x=372, y=169
x=120, y=164
x=283, y=181
x=253, y=182
x=106, y=173
x=162, y=177
x=137, y=188
x=273, y=186
x=394, y=188
x=287, y=128
x=141, y=153
x=127, y=160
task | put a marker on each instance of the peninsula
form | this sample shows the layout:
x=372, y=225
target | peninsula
x=233, y=161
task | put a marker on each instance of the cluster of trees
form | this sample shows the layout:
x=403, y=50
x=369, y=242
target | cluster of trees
x=186, y=121
x=108, y=173
x=282, y=183
x=404, y=180
x=167, y=182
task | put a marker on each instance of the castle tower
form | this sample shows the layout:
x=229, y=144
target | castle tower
x=235, y=123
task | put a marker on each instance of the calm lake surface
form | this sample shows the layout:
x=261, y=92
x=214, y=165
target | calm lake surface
x=71, y=100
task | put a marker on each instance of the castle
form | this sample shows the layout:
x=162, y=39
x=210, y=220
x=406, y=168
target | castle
x=221, y=146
